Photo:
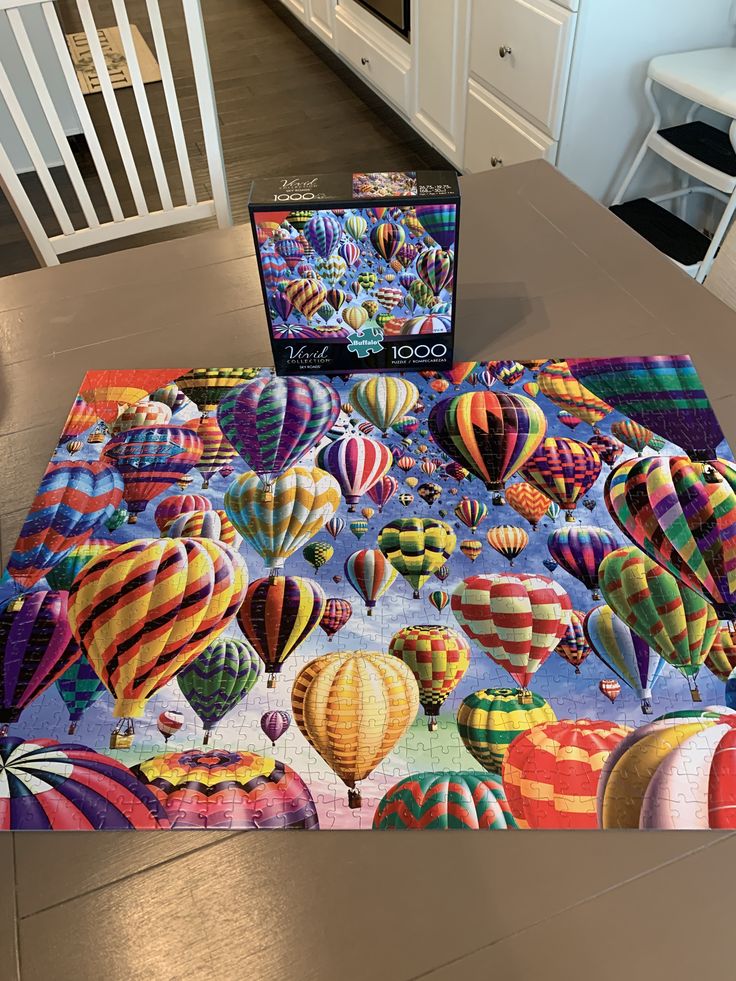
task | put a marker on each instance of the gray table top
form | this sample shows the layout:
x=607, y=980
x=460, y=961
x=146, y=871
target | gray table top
x=543, y=271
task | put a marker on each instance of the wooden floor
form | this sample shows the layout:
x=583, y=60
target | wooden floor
x=286, y=105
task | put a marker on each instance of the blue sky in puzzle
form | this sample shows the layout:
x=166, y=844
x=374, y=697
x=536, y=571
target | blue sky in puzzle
x=570, y=695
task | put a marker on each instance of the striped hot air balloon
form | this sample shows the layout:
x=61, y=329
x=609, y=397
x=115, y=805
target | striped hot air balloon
x=218, y=679
x=438, y=800
x=471, y=548
x=561, y=387
x=460, y=372
x=384, y=399
x=507, y=372
x=438, y=657
x=206, y=386
x=508, y=540
x=171, y=507
x=471, y=512
x=213, y=524
x=721, y=658
x=435, y=268
x=81, y=418
x=431, y=323
x=564, y=469
x=65, y=572
x=528, y=501
x=336, y=614
x=383, y=490
x=608, y=448
x=217, y=449
x=323, y=232
x=417, y=547
x=439, y=221
x=551, y=772
x=635, y=436
x=387, y=237
x=580, y=551
x=306, y=296
x=574, y=646
x=489, y=720
x=389, y=297
x=357, y=463
x=274, y=724
x=370, y=574
x=334, y=526
x=439, y=599
x=108, y=392
x=144, y=413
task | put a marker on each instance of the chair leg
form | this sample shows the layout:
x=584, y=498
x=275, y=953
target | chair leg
x=24, y=211
x=631, y=173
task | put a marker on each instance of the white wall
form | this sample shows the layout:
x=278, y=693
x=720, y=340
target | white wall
x=13, y=65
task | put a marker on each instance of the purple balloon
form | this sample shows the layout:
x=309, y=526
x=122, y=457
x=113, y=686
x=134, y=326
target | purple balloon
x=275, y=724
x=281, y=304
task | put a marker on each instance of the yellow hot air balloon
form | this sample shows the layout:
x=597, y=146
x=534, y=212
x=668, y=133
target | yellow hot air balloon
x=354, y=317
x=383, y=399
x=279, y=522
x=367, y=513
x=353, y=707
x=417, y=547
x=412, y=482
x=560, y=386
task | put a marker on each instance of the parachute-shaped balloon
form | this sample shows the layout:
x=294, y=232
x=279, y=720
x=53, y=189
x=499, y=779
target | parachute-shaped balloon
x=508, y=540
x=377, y=698
x=434, y=268
x=721, y=659
x=387, y=238
x=73, y=499
x=357, y=463
x=36, y=648
x=217, y=449
x=561, y=387
x=564, y=469
x=143, y=413
x=186, y=592
x=517, y=619
x=370, y=574
x=489, y=720
x=673, y=509
x=336, y=614
x=384, y=399
x=635, y=436
x=492, y=434
x=274, y=422
x=150, y=460
x=79, y=687
x=416, y=547
x=439, y=221
x=65, y=572
x=663, y=394
x=219, y=679
x=274, y=724
x=580, y=551
x=334, y=526
x=318, y=553
x=671, y=618
x=471, y=512
x=437, y=800
x=439, y=599
x=323, y=233
x=623, y=651
x=610, y=688
x=574, y=646
x=528, y=501
x=206, y=386
x=177, y=504
x=438, y=657
x=608, y=448
x=279, y=523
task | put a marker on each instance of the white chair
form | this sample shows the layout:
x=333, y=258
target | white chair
x=96, y=229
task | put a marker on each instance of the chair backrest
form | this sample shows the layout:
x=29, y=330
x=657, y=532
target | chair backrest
x=92, y=224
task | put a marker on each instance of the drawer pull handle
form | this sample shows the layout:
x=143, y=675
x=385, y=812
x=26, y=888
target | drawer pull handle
x=504, y=50
x=365, y=61
x=496, y=162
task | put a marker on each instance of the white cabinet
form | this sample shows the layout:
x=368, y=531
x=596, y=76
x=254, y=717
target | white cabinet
x=321, y=18
x=373, y=57
x=498, y=136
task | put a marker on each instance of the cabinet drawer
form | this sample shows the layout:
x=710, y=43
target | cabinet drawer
x=493, y=132
x=378, y=67
x=522, y=49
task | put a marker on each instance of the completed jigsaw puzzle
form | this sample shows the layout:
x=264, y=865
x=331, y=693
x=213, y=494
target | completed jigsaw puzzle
x=500, y=596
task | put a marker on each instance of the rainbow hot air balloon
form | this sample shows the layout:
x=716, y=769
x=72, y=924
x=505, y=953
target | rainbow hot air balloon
x=434, y=268
x=406, y=425
x=279, y=523
x=439, y=599
x=79, y=687
x=471, y=512
x=608, y=448
x=357, y=463
x=673, y=509
x=437, y=657
x=387, y=238
x=416, y=547
x=508, y=540
x=216, y=449
x=323, y=232
x=81, y=418
x=151, y=459
x=531, y=389
x=489, y=720
x=172, y=507
x=580, y=551
x=564, y=469
x=384, y=399
x=143, y=413
x=278, y=615
x=274, y=422
x=353, y=707
x=632, y=434
x=318, y=553
x=623, y=651
x=528, y=501
x=206, y=386
x=507, y=372
x=73, y=499
x=460, y=372
x=663, y=394
x=370, y=574
x=334, y=526
x=274, y=724
x=457, y=799
x=165, y=600
x=492, y=434
x=517, y=619
x=671, y=618
x=574, y=646
x=336, y=615
x=65, y=572
x=36, y=648
x=218, y=679
x=439, y=221
x=561, y=387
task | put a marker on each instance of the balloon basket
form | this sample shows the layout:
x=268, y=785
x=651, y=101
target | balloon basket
x=120, y=740
x=271, y=683
x=369, y=612
x=132, y=519
x=595, y=595
x=577, y=669
x=415, y=594
x=646, y=706
x=72, y=728
x=355, y=801
x=695, y=694
x=4, y=729
x=525, y=697
x=16, y=604
x=95, y=438
x=711, y=475
x=569, y=517
x=206, y=740
x=432, y=723
x=205, y=484
x=351, y=509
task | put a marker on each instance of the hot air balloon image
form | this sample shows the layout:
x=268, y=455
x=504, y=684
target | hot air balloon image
x=278, y=615
x=65, y=572
x=471, y=548
x=439, y=599
x=81, y=418
x=143, y=413
x=384, y=399
x=218, y=679
x=387, y=238
x=317, y=554
x=489, y=720
x=353, y=707
x=438, y=657
x=109, y=392
x=669, y=617
x=507, y=372
x=336, y=614
x=370, y=574
x=406, y=499
x=460, y=372
x=435, y=267
x=406, y=425
x=204, y=524
x=564, y=469
x=357, y=463
x=274, y=422
x=169, y=723
x=334, y=526
x=721, y=658
x=323, y=232
x=623, y=651
x=216, y=449
x=508, y=540
x=279, y=522
x=608, y=448
x=492, y=434
x=566, y=758
x=416, y=547
x=429, y=492
x=574, y=646
x=610, y=688
x=580, y=551
x=528, y=501
x=359, y=528
x=635, y=436
x=78, y=687
x=471, y=512
x=383, y=490
x=274, y=724
x=439, y=221
x=206, y=386
x=438, y=800
x=355, y=316
x=177, y=504
x=562, y=387
x=517, y=620
x=167, y=599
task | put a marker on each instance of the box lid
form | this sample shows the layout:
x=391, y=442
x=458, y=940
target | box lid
x=361, y=189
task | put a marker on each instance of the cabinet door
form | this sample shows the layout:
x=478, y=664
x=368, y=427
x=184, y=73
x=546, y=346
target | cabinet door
x=496, y=135
x=297, y=7
x=440, y=41
x=522, y=49
x=372, y=59
x=321, y=18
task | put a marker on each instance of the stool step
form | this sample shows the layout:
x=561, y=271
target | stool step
x=663, y=230
x=705, y=143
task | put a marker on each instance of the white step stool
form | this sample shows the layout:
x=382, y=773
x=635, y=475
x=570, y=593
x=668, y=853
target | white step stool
x=704, y=154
